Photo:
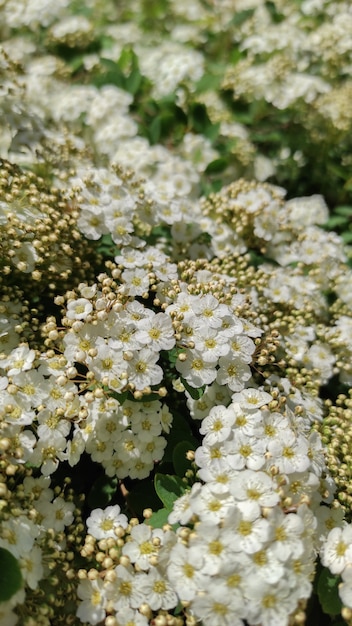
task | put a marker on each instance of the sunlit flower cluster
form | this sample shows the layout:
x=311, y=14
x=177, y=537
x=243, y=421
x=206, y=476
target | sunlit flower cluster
x=175, y=336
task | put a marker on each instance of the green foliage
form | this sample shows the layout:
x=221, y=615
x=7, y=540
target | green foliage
x=142, y=495
x=327, y=589
x=180, y=432
x=179, y=457
x=123, y=73
x=10, y=575
x=159, y=518
x=168, y=488
x=102, y=491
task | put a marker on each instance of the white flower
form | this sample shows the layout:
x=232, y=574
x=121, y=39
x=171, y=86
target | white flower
x=181, y=508
x=217, y=426
x=345, y=588
x=125, y=592
x=79, y=309
x=242, y=348
x=233, y=372
x=7, y=616
x=51, y=424
x=249, y=531
x=187, y=572
x=142, y=369
x=195, y=369
x=246, y=452
x=336, y=552
x=131, y=617
x=19, y=360
x=211, y=343
x=92, y=594
x=246, y=422
x=136, y=281
x=289, y=453
x=210, y=506
x=143, y=545
x=287, y=531
x=101, y=524
x=254, y=487
x=32, y=567
x=251, y=398
x=265, y=566
x=270, y=605
x=218, y=606
x=56, y=514
x=158, y=591
x=18, y=535
x=156, y=332
x=215, y=543
x=208, y=311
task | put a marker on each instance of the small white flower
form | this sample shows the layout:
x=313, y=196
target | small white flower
x=233, y=372
x=251, y=398
x=19, y=360
x=158, y=591
x=345, y=588
x=144, y=544
x=79, y=309
x=336, y=552
x=92, y=594
x=187, y=572
x=101, y=524
x=156, y=332
x=195, y=369
x=217, y=426
x=219, y=606
x=142, y=369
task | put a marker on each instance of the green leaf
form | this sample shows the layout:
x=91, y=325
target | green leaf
x=344, y=210
x=209, y=81
x=180, y=431
x=327, y=590
x=159, y=518
x=335, y=220
x=102, y=492
x=154, y=130
x=168, y=488
x=218, y=165
x=10, y=575
x=194, y=392
x=347, y=237
x=120, y=397
x=179, y=457
x=142, y=495
x=241, y=16
x=133, y=82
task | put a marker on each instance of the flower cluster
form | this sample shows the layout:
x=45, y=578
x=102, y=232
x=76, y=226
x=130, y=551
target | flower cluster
x=175, y=337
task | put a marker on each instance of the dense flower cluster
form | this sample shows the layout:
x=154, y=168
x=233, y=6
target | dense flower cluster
x=175, y=346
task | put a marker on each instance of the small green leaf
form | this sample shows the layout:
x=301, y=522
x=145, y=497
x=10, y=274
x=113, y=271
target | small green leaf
x=344, y=210
x=168, y=488
x=154, y=130
x=133, y=82
x=241, y=16
x=347, y=237
x=102, y=492
x=194, y=392
x=216, y=166
x=142, y=496
x=159, y=518
x=328, y=592
x=120, y=397
x=179, y=457
x=10, y=575
x=336, y=220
